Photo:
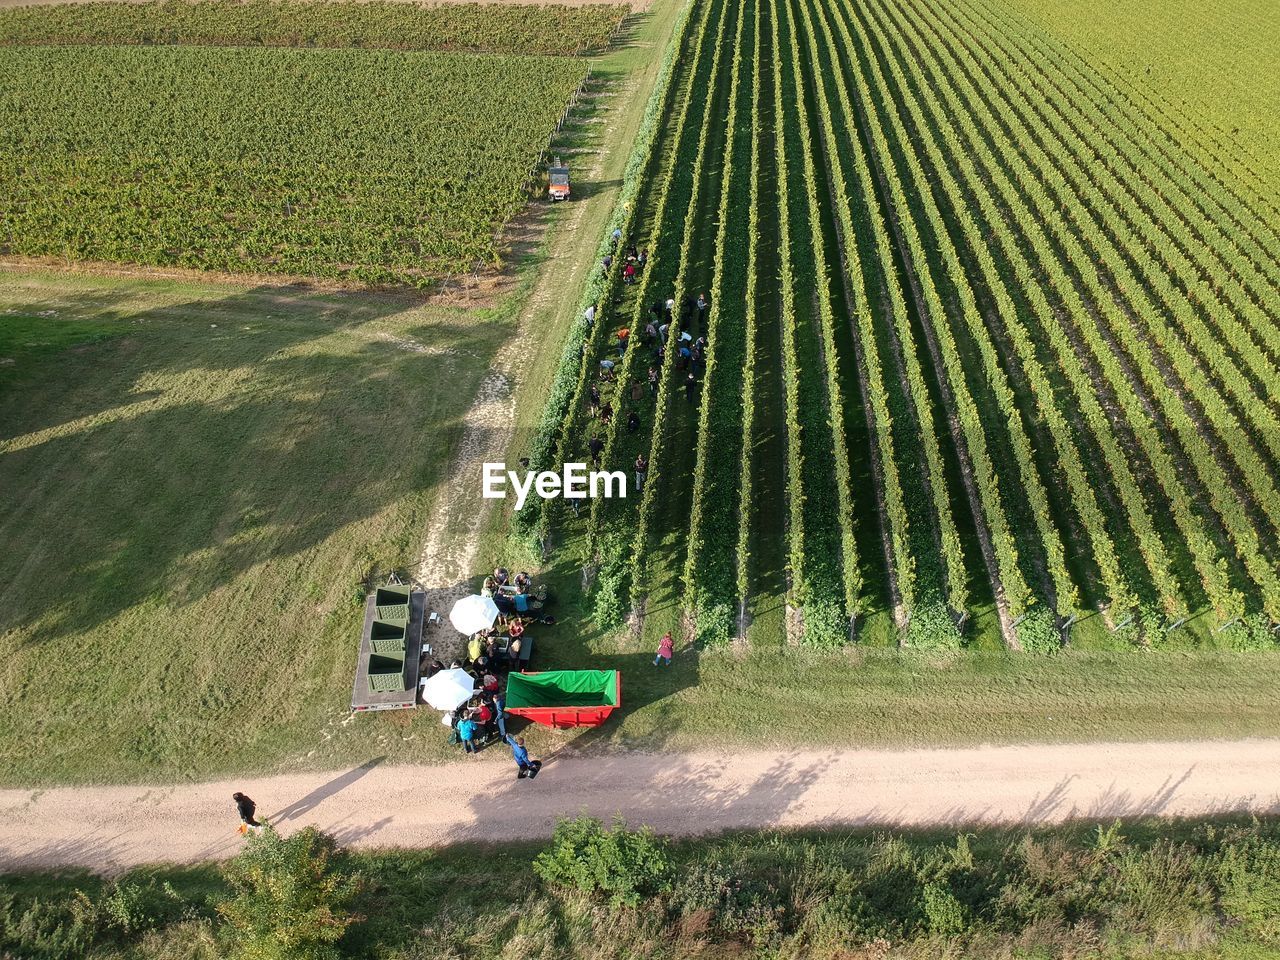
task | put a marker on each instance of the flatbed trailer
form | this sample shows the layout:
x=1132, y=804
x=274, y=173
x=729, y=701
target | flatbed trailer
x=361, y=697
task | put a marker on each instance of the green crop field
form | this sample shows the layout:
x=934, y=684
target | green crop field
x=464, y=27
x=372, y=166
x=994, y=338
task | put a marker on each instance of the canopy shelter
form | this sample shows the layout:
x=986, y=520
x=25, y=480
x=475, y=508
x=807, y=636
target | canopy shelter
x=447, y=689
x=473, y=614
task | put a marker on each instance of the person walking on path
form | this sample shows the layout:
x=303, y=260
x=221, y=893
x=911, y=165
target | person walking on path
x=690, y=386
x=246, y=808
x=596, y=446
x=642, y=470
x=528, y=768
x=666, y=650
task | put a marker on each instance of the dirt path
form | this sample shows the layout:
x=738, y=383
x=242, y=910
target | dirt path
x=109, y=828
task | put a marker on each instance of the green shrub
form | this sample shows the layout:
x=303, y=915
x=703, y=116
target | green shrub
x=825, y=624
x=715, y=623
x=43, y=930
x=130, y=906
x=735, y=903
x=1253, y=633
x=292, y=897
x=1248, y=881
x=932, y=628
x=943, y=914
x=610, y=587
x=624, y=866
x=1038, y=633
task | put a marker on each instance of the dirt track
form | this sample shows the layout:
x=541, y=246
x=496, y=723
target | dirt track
x=108, y=828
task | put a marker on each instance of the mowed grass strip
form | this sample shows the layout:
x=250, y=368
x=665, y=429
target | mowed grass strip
x=196, y=482
x=368, y=166
x=552, y=29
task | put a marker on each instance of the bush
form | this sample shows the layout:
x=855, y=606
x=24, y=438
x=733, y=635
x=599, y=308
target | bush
x=932, y=628
x=943, y=914
x=43, y=930
x=1248, y=881
x=1253, y=633
x=624, y=866
x=1038, y=633
x=715, y=623
x=825, y=624
x=68, y=928
x=292, y=897
x=130, y=906
x=610, y=587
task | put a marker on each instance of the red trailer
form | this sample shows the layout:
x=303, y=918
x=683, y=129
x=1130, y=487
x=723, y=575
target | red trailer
x=565, y=698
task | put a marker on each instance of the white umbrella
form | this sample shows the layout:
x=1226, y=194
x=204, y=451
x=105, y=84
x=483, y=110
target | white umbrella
x=448, y=688
x=473, y=614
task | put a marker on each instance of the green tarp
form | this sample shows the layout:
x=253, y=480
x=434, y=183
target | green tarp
x=563, y=688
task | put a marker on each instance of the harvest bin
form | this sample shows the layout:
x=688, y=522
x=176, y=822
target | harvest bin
x=386, y=672
x=393, y=604
x=387, y=638
x=565, y=698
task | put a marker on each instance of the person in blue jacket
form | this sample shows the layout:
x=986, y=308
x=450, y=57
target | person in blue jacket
x=528, y=768
x=467, y=734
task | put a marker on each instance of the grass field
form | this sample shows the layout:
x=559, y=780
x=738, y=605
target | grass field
x=199, y=480
x=1193, y=890
x=990, y=391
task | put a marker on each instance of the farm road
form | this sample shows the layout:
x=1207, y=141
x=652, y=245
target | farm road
x=111, y=828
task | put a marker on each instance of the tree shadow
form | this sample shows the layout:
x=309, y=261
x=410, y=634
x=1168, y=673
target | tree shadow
x=195, y=452
x=306, y=804
x=659, y=791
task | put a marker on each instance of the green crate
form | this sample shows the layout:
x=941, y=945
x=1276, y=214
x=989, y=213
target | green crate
x=392, y=604
x=386, y=673
x=388, y=638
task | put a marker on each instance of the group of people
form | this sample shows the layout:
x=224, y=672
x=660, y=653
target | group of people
x=690, y=355
x=635, y=261
x=490, y=655
x=482, y=720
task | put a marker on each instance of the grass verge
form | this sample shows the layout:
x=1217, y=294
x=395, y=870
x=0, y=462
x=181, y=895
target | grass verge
x=1195, y=889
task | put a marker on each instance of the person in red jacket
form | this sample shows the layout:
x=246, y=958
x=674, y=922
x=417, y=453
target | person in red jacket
x=666, y=650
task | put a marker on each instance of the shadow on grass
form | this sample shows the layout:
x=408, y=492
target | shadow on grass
x=159, y=466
